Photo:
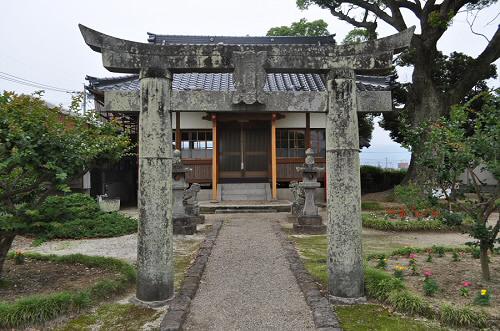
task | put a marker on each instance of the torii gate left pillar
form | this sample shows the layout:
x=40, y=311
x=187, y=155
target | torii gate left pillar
x=155, y=268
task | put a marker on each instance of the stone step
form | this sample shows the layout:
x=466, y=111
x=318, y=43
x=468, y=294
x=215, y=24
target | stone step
x=245, y=191
x=241, y=207
x=245, y=210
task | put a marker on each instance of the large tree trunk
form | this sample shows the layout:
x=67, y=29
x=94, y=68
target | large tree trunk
x=425, y=103
x=6, y=239
x=485, y=265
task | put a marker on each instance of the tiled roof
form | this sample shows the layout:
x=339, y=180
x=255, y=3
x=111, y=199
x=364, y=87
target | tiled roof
x=275, y=82
x=242, y=40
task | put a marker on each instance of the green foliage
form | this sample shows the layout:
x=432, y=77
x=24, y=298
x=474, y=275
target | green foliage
x=412, y=196
x=439, y=250
x=376, y=179
x=378, y=223
x=409, y=303
x=452, y=218
x=41, y=308
x=461, y=316
x=430, y=286
x=483, y=298
x=41, y=150
x=371, y=205
x=77, y=216
x=356, y=36
x=437, y=20
x=301, y=28
x=457, y=145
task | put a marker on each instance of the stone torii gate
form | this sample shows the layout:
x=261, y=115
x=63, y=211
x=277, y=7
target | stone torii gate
x=249, y=64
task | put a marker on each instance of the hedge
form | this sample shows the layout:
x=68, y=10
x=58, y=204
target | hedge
x=375, y=179
x=374, y=222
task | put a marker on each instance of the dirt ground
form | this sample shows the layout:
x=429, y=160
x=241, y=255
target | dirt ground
x=44, y=277
x=449, y=276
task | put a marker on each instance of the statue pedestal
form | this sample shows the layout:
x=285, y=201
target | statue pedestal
x=309, y=225
x=184, y=225
x=182, y=222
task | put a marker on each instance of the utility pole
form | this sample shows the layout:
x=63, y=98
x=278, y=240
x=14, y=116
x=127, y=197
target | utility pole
x=84, y=105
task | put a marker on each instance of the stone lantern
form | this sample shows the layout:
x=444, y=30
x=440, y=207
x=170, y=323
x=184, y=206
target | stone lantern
x=309, y=221
x=183, y=223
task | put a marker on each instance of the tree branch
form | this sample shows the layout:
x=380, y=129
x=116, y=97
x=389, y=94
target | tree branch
x=478, y=70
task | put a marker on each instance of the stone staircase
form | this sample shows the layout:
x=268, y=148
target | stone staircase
x=245, y=192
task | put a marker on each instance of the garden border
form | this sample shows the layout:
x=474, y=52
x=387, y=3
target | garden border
x=324, y=317
x=68, y=301
x=180, y=305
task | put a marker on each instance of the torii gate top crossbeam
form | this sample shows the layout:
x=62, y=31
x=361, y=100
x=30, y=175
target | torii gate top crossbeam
x=125, y=56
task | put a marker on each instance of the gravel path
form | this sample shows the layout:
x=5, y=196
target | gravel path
x=247, y=284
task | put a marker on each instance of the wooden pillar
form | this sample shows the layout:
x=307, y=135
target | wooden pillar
x=178, y=137
x=273, y=158
x=308, y=131
x=215, y=158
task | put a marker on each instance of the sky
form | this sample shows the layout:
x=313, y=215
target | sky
x=40, y=40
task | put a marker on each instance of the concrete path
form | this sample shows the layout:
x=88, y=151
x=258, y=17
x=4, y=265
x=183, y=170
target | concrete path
x=247, y=284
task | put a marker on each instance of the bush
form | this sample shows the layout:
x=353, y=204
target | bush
x=374, y=222
x=462, y=316
x=409, y=303
x=452, y=219
x=430, y=286
x=77, y=216
x=412, y=197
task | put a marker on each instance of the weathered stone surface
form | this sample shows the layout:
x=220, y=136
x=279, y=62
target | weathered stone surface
x=125, y=56
x=183, y=223
x=155, y=272
x=345, y=265
x=215, y=101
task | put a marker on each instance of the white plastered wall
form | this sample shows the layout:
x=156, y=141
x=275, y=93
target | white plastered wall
x=298, y=120
x=192, y=120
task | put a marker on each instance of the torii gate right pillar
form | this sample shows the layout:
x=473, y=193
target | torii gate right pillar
x=345, y=258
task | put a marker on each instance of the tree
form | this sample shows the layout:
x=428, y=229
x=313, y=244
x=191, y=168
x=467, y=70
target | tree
x=465, y=142
x=41, y=151
x=425, y=99
x=301, y=28
x=320, y=28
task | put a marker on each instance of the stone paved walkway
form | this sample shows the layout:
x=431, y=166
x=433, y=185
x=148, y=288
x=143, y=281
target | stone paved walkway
x=247, y=284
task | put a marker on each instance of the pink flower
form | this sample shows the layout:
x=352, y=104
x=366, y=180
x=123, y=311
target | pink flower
x=413, y=255
x=427, y=273
x=466, y=284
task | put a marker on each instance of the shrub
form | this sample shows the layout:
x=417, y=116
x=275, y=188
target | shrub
x=430, y=286
x=452, y=219
x=371, y=205
x=461, y=316
x=379, y=284
x=439, y=250
x=78, y=216
x=409, y=303
x=412, y=197
x=374, y=222
x=375, y=179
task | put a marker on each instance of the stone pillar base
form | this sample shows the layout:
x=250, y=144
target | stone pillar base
x=184, y=225
x=292, y=219
x=310, y=225
x=346, y=301
x=200, y=219
x=149, y=304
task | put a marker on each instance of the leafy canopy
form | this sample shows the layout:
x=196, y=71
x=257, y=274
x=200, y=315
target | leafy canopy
x=301, y=28
x=42, y=149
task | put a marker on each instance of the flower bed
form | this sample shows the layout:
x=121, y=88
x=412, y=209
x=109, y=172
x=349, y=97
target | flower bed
x=377, y=222
x=445, y=277
x=38, y=308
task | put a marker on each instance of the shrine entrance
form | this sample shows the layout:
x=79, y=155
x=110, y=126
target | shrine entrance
x=244, y=151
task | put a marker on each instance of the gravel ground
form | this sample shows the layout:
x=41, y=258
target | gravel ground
x=247, y=284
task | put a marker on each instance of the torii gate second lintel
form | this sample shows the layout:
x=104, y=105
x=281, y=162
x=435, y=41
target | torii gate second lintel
x=249, y=63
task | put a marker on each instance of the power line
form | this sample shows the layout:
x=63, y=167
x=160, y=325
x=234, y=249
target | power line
x=27, y=82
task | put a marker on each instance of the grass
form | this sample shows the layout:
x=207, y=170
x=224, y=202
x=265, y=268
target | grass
x=387, y=289
x=41, y=308
x=371, y=205
x=185, y=252
x=377, y=318
x=113, y=317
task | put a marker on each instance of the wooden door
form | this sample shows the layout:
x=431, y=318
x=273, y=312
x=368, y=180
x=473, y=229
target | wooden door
x=244, y=151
